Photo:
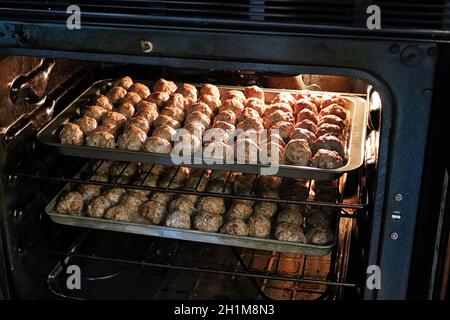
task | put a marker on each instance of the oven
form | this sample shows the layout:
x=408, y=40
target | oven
x=389, y=236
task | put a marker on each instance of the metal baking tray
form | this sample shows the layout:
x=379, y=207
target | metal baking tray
x=189, y=235
x=355, y=140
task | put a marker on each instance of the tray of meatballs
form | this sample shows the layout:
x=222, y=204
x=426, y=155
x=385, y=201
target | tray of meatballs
x=209, y=217
x=300, y=133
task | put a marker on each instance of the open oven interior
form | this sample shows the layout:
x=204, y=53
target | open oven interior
x=125, y=266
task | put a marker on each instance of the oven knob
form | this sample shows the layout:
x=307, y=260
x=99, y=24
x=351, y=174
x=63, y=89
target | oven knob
x=396, y=215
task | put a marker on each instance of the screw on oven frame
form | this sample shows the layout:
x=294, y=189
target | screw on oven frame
x=146, y=46
x=394, y=236
x=398, y=197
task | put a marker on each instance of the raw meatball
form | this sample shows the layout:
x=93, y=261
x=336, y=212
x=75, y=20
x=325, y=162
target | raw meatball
x=289, y=232
x=246, y=151
x=158, y=98
x=307, y=114
x=258, y=226
x=235, y=227
x=101, y=167
x=115, y=94
x=71, y=203
x=212, y=102
x=197, y=116
x=208, y=222
x=332, y=129
x=218, y=150
x=89, y=191
x=321, y=235
x=113, y=195
x=122, y=213
x=271, y=153
x=114, y=118
x=251, y=113
x=290, y=216
x=131, y=98
x=132, y=139
x=316, y=218
x=125, y=82
x=336, y=110
x=230, y=128
x=213, y=205
x=127, y=109
x=256, y=104
x=86, y=124
x=302, y=104
x=185, y=203
x=227, y=116
x=165, y=132
x=186, y=144
x=161, y=197
x=300, y=133
x=109, y=128
x=327, y=159
x=298, y=152
x=163, y=120
x=103, y=101
x=175, y=113
x=189, y=92
x=141, y=89
x=284, y=129
x=153, y=211
x=308, y=125
x=176, y=100
x=230, y=94
x=157, y=145
x=203, y=108
x=332, y=119
x=330, y=142
x=234, y=105
x=195, y=128
x=265, y=208
x=178, y=219
x=240, y=210
x=284, y=97
x=95, y=112
x=254, y=92
x=98, y=207
x=250, y=123
x=278, y=106
x=71, y=134
x=277, y=116
x=147, y=110
x=210, y=90
x=164, y=85
x=139, y=122
x=101, y=139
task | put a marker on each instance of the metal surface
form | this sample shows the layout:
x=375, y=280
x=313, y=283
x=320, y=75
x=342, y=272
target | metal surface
x=355, y=143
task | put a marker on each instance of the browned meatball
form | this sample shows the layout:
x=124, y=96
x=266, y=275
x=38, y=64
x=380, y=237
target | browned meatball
x=186, y=144
x=308, y=125
x=259, y=226
x=243, y=184
x=326, y=128
x=101, y=139
x=71, y=134
x=147, y=110
x=336, y=110
x=89, y=191
x=295, y=189
x=127, y=109
x=327, y=100
x=158, y=98
x=230, y=128
x=113, y=195
x=163, y=120
x=185, y=203
x=290, y=216
x=178, y=219
x=326, y=191
x=153, y=211
x=177, y=100
x=332, y=119
x=208, y=222
x=249, y=124
x=175, y=113
x=213, y=205
x=123, y=169
x=320, y=235
x=330, y=142
x=162, y=197
x=98, y=207
x=234, y=105
x=218, y=150
x=284, y=97
x=141, y=89
x=86, y=124
x=103, y=101
x=70, y=203
x=284, y=129
x=198, y=116
x=254, y=92
x=307, y=114
x=109, y=128
x=230, y=94
x=139, y=122
x=304, y=104
x=235, y=227
x=216, y=135
x=131, y=98
x=251, y=113
x=95, y=112
x=278, y=106
x=240, y=210
x=115, y=94
x=298, y=152
x=265, y=208
x=125, y=82
x=132, y=139
x=300, y=133
x=316, y=218
x=246, y=151
x=277, y=116
x=132, y=200
x=271, y=153
x=99, y=178
x=327, y=159
x=201, y=107
x=157, y=145
x=209, y=90
x=289, y=232
x=212, y=102
x=256, y=104
x=166, y=132
x=273, y=138
x=227, y=116
x=195, y=128
x=268, y=186
x=189, y=92
x=122, y=213
x=164, y=85
x=114, y=118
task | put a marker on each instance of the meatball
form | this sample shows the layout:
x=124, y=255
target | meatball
x=295, y=189
x=153, y=211
x=326, y=192
x=147, y=110
x=251, y=113
x=308, y=125
x=197, y=116
x=330, y=142
x=101, y=139
x=132, y=200
x=115, y=94
x=141, y=89
x=175, y=113
x=332, y=119
x=132, y=139
x=273, y=138
x=189, y=92
x=109, y=128
x=176, y=100
x=240, y=210
x=290, y=216
x=259, y=226
x=138, y=122
x=300, y=133
x=71, y=134
x=98, y=207
x=186, y=144
x=165, y=132
x=246, y=151
x=227, y=116
x=195, y=128
x=320, y=235
x=307, y=114
x=213, y=205
x=208, y=222
x=114, y=118
x=163, y=120
x=284, y=129
x=164, y=85
x=70, y=203
x=265, y=208
x=284, y=97
x=271, y=153
x=218, y=150
x=328, y=100
x=95, y=112
x=230, y=128
x=302, y=104
x=277, y=116
x=158, y=98
x=178, y=219
x=131, y=98
x=216, y=135
x=268, y=186
x=327, y=159
x=234, y=105
x=124, y=169
x=250, y=123
x=151, y=180
x=125, y=82
x=254, y=92
x=278, y=106
x=185, y=203
x=157, y=145
x=230, y=94
x=331, y=129
x=103, y=101
x=316, y=218
x=336, y=110
x=86, y=124
x=113, y=195
x=212, y=102
x=161, y=197
x=89, y=191
x=101, y=167
x=289, y=232
x=203, y=108
x=298, y=152
x=210, y=90
x=122, y=213
x=127, y=109
x=99, y=178
x=256, y=104
x=235, y=227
